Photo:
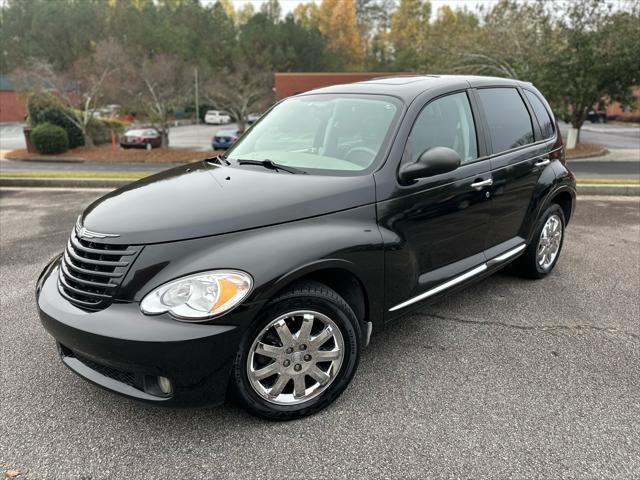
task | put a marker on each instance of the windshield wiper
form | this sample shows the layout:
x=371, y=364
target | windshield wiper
x=218, y=160
x=271, y=165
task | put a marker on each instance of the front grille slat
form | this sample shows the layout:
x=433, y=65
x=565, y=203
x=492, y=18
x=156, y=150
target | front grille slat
x=98, y=251
x=79, y=291
x=86, y=271
x=76, y=301
x=91, y=272
x=82, y=281
x=91, y=261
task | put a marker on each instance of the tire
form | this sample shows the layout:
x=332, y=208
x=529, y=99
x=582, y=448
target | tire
x=530, y=264
x=302, y=394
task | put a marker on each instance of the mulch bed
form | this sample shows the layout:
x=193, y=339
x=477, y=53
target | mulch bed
x=586, y=150
x=106, y=154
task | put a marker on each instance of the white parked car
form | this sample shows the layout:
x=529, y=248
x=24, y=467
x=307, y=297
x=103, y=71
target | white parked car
x=253, y=118
x=216, y=117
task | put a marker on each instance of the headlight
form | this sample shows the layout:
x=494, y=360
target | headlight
x=200, y=296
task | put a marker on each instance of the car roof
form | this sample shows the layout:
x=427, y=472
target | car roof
x=408, y=87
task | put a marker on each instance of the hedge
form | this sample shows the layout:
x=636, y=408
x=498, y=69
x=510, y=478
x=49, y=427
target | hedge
x=49, y=138
x=43, y=107
x=60, y=117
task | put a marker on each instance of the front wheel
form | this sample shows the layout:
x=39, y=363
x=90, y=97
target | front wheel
x=300, y=356
x=542, y=254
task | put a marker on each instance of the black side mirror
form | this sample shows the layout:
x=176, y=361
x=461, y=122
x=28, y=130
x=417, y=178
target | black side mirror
x=434, y=161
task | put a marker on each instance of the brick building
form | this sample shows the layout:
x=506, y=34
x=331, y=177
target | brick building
x=287, y=84
x=12, y=109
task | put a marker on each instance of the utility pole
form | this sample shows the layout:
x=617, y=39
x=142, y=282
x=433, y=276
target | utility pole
x=197, y=100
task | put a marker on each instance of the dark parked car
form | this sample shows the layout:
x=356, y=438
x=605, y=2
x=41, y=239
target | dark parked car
x=264, y=272
x=224, y=139
x=141, y=138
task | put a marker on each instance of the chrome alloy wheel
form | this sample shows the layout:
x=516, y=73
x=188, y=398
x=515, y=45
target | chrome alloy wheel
x=549, y=243
x=295, y=357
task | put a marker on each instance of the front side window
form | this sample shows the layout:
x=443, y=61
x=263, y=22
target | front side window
x=445, y=122
x=542, y=114
x=339, y=133
x=507, y=118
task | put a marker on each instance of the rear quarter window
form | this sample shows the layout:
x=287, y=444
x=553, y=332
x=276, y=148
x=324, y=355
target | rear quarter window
x=507, y=117
x=542, y=114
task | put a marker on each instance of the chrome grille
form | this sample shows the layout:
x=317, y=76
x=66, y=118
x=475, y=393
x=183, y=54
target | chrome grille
x=91, y=272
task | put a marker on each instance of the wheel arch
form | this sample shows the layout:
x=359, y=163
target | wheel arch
x=339, y=275
x=566, y=200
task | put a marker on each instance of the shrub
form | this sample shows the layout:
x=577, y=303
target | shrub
x=60, y=116
x=49, y=138
x=100, y=129
x=118, y=126
x=39, y=101
x=43, y=107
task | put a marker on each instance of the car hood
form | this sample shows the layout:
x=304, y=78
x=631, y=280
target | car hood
x=204, y=199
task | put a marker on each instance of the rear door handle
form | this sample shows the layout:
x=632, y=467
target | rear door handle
x=483, y=183
x=542, y=163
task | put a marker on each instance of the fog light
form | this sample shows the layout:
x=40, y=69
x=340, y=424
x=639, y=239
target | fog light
x=164, y=385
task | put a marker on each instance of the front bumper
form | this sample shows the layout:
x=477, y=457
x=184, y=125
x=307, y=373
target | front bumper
x=123, y=350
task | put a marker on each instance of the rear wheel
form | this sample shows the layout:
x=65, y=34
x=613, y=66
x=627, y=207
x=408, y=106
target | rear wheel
x=300, y=356
x=542, y=254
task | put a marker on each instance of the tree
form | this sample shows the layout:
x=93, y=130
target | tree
x=594, y=54
x=373, y=20
x=511, y=41
x=80, y=87
x=54, y=32
x=163, y=85
x=307, y=15
x=337, y=22
x=408, y=26
x=448, y=39
x=240, y=91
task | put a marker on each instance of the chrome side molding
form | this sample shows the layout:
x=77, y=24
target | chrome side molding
x=461, y=278
x=506, y=256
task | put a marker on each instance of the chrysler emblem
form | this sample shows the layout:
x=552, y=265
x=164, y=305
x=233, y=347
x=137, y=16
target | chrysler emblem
x=84, y=233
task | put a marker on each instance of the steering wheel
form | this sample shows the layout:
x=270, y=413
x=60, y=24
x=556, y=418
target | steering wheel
x=360, y=155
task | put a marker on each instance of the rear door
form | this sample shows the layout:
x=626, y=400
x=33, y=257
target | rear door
x=518, y=157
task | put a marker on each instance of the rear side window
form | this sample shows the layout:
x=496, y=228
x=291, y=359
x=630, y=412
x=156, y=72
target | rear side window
x=507, y=117
x=445, y=122
x=542, y=114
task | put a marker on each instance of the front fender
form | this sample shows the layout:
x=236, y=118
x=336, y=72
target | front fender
x=274, y=256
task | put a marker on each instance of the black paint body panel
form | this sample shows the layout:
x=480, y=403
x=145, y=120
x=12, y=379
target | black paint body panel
x=396, y=240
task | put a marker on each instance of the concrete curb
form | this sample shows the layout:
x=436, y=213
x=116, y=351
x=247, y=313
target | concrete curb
x=600, y=153
x=24, y=182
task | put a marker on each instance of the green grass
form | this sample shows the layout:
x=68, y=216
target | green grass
x=90, y=175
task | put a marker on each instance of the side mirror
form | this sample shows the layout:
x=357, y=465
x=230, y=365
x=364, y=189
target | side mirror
x=434, y=161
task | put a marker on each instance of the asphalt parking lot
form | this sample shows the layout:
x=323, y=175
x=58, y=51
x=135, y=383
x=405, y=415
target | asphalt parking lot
x=509, y=379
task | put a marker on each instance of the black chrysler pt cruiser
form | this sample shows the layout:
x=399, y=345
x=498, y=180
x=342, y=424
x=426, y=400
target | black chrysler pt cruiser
x=262, y=273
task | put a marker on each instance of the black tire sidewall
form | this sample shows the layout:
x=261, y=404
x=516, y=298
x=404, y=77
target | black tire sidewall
x=554, y=209
x=346, y=322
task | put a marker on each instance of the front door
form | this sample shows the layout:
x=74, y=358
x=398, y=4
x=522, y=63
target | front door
x=438, y=224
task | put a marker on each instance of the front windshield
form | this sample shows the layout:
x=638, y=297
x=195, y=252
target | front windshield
x=321, y=132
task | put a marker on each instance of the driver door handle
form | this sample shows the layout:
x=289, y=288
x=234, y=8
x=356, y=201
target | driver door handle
x=542, y=163
x=483, y=183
